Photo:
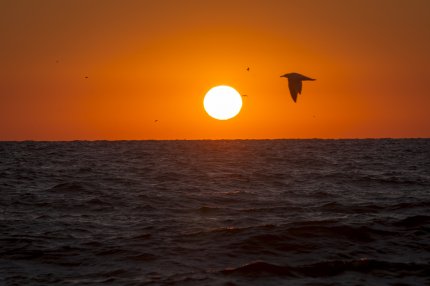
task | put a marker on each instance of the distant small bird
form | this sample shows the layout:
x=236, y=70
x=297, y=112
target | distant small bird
x=244, y=95
x=247, y=69
x=156, y=120
x=295, y=83
x=86, y=77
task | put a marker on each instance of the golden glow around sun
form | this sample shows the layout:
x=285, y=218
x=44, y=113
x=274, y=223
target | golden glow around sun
x=222, y=102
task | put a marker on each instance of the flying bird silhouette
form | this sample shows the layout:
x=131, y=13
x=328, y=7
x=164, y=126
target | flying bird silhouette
x=295, y=83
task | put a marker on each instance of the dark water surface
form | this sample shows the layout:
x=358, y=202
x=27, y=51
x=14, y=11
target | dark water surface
x=283, y=212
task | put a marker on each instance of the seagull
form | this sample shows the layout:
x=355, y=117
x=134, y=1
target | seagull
x=247, y=69
x=295, y=83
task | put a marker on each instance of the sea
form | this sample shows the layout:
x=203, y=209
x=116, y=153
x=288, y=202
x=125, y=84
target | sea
x=215, y=212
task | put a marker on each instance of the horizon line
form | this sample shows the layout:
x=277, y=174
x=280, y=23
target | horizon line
x=223, y=139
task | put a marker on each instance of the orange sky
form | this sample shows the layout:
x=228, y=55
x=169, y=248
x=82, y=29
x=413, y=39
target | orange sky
x=148, y=60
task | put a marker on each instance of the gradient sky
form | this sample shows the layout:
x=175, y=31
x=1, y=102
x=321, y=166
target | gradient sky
x=155, y=60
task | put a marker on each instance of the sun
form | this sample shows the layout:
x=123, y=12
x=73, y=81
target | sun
x=222, y=102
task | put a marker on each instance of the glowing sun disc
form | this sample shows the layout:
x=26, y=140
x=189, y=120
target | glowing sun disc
x=222, y=102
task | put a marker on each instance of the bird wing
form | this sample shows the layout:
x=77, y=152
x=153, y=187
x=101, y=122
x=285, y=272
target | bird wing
x=306, y=78
x=294, y=86
x=299, y=86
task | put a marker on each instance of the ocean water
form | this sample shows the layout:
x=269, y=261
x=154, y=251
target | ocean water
x=241, y=212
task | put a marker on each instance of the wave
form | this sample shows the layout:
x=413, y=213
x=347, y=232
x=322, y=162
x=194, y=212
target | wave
x=332, y=268
x=302, y=237
x=73, y=188
x=334, y=231
x=414, y=221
